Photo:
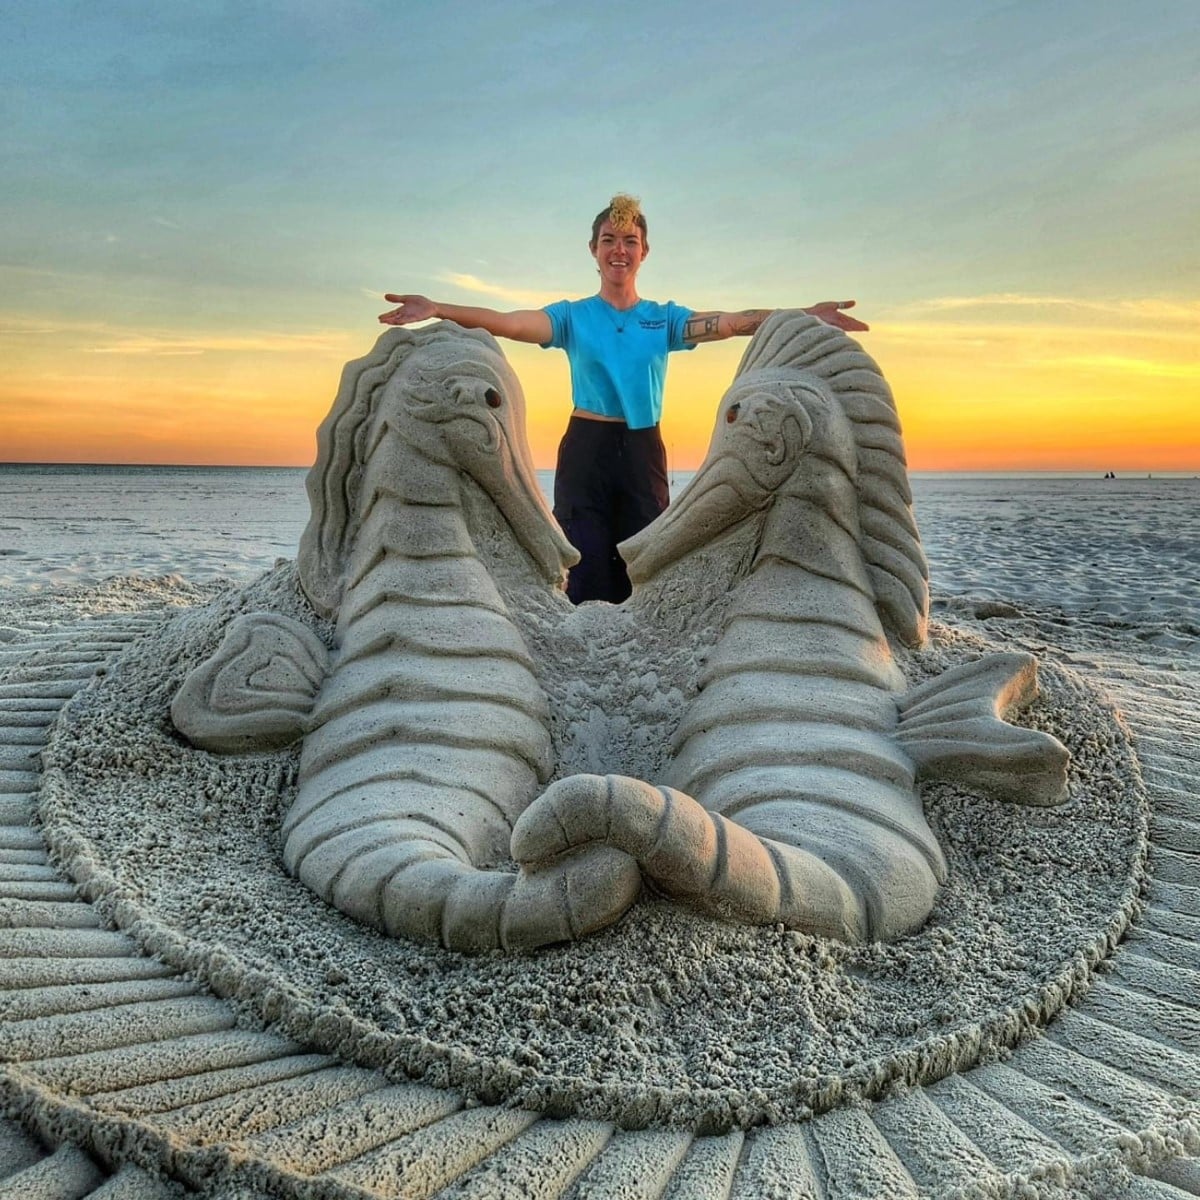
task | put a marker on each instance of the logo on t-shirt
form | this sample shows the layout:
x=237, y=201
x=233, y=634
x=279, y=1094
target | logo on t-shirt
x=647, y=324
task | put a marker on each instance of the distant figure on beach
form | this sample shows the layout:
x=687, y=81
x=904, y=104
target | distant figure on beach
x=611, y=477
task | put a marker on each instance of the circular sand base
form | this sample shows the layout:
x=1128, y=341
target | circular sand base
x=115, y=1062
x=669, y=1018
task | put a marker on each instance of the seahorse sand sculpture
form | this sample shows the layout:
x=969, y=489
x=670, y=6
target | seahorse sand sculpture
x=790, y=792
x=428, y=735
x=791, y=788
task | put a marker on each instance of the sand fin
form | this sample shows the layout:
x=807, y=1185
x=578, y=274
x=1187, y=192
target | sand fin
x=256, y=691
x=953, y=728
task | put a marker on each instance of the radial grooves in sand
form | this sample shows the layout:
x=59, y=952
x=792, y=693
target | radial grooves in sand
x=18, y=973
x=777, y=1162
x=29, y=709
x=128, y=1025
x=20, y=837
x=1175, y=898
x=1134, y=1055
x=56, y=689
x=67, y=1174
x=1011, y=1142
x=422, y=1163
x=32, y=857
x=1174, y=867
x=856, y=1159
x=31, y=1003
x=16, y=809
x=634, y=1165
x=1155, y=978
x=1175, y=833
x=27, y=873
x=1097, y=1085
x=99, y=1071
x=1174, y=801
x=132, y=1183
x=1166, y=946
x=1078, y=1128
x=34, y=897
x=336, y=1137
x=48, y=893
x=1161, y=1020
x=1183, y=1174
x=540, y=1164
x=707, y=1170
x=17, y=756
x=937, y=1154
x=65, y=944
x=166, y=1095
x=17, y=1150
x=266, y=1106
x=1072, y=1092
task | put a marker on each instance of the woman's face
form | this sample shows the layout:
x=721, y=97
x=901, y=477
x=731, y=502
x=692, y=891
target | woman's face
x=618, y=255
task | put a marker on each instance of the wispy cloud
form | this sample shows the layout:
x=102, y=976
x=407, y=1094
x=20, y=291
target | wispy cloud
x=1122, y=365
x=999, y=347
x=521, y=297
x=94, y=337
x=1141, y=309
x=173, y=345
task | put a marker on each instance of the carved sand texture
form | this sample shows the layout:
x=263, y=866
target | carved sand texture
x=788, y=793
x=429, y=736
x=790, y=790
x=198, y=880
x=914, y=1144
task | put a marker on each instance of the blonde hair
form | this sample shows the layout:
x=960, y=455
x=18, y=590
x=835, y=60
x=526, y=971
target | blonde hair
x=623, y=212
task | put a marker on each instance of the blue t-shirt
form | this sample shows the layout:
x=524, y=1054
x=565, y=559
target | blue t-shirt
x=618, y=358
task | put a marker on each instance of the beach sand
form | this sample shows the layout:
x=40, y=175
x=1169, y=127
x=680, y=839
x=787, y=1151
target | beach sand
x=1037, y=1038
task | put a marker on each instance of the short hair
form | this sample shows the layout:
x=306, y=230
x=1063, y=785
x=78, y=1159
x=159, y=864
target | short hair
x=623, y=210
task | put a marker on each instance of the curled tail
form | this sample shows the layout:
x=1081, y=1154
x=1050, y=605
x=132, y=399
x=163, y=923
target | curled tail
x=409, y=881
x=691, y=853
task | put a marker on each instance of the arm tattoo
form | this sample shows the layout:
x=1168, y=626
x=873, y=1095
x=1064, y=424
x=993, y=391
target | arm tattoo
x=749, y=320
x=701, y=327
x=706, y=326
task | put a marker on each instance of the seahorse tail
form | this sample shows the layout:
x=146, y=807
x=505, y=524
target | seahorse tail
x=406, y=878
x=691, y=853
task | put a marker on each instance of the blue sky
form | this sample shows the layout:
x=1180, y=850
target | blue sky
x=259, y=170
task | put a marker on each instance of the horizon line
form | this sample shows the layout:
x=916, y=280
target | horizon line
x=216, y=466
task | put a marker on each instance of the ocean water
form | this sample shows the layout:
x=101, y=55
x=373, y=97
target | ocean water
x=1120, y=553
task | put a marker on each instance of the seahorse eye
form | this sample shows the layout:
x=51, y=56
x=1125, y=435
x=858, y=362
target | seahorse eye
x=493, y=398
x=731, y=413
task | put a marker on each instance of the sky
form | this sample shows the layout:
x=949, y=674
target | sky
x=202, y=204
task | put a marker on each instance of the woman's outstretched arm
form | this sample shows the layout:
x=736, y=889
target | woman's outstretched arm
x=522, y=325
x=716, y=326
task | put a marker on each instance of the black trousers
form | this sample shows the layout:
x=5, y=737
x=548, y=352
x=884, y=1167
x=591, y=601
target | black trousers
x=611, y=482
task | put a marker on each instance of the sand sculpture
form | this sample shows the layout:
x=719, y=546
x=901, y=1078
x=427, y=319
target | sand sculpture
x=232, y=1032
x=785, y=791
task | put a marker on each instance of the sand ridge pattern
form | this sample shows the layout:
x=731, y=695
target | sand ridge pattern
x=234, y=1112
x=671, y=1018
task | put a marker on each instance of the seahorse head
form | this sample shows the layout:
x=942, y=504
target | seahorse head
x=763, y=430
x=804, y=391
x=457, y=407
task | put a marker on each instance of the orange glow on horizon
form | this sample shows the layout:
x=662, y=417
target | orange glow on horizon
x=979, y=396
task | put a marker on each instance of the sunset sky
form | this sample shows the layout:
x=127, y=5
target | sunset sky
x=203, y=202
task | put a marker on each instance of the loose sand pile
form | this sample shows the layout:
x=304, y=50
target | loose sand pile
x=667, y=1018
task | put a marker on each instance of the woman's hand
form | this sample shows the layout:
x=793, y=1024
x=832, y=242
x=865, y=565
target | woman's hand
x=829, y=311
x=412, y=308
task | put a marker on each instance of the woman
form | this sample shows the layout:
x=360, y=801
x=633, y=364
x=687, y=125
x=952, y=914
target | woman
x=611, y=477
